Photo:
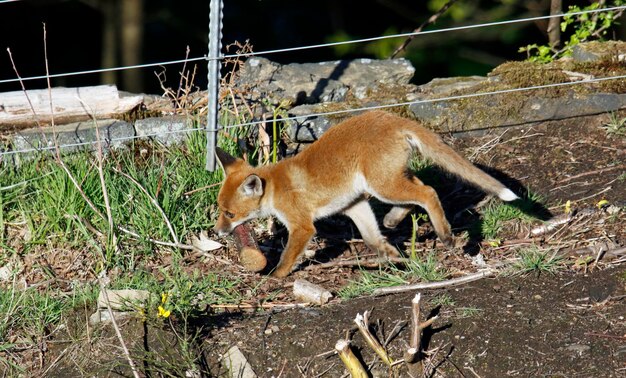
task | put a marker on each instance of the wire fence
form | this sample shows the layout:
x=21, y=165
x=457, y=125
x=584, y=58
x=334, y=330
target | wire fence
x=316, y=46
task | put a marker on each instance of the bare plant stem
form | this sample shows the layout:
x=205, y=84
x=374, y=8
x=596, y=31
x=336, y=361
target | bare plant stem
x=434, y=285
x=155, y=203
x=119, y=333
x=430, y=20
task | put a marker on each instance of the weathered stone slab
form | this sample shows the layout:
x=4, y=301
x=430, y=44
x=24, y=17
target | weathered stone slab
x=321, y=82
x=75, y=136
x=167, y=130
x=597, y=51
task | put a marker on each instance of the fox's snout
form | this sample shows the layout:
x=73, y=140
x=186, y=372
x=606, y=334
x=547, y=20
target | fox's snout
x=223, y=227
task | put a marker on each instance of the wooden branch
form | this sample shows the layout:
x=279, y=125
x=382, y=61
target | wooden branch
x=595, y=171
x=362, y=323
x=430, y=20
x=353, y=364
x=554, y=25
x=416, y=332
x=435, y=285
x=70, y=105
x=367, y=263
x=551, y=224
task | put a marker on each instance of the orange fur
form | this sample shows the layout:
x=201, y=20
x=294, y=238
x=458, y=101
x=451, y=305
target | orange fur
x=364, y=156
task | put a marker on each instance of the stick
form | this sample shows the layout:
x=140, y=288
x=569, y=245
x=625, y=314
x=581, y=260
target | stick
x=353, y=364
x=591, y=173
x=551, y=224
x=362, y=322
x=118, y=333
x=367, y=263
x=430, y=20
x=435, y=285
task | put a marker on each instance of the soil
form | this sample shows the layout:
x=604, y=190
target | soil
x=567, y=324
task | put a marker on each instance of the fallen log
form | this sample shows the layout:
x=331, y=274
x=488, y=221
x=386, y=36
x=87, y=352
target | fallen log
x=68, y=105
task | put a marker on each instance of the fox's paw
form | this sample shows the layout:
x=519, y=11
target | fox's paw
x=386, y=249
x=448, y=241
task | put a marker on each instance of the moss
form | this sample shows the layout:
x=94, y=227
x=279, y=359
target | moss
x=490, y=110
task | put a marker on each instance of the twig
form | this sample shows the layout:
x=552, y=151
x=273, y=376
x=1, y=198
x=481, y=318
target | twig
x=362, y=323
x=589, y=173
x=368, y=263
x=155, y=203
x=248, y=306
x=435, y=285
x=105, y=193
x=353, y=364
x=551, y=224
x=117, y=331
x=201, y=189
x=594, y=195
x=430, y=20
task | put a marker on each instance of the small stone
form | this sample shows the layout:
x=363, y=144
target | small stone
x=579, y=349
x=122, y=299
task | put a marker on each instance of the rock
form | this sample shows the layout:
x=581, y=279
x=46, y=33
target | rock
x=103, y=316
x=307, y=128
x=113, y=133
x=506, y=110
x=309, y=83
x=6, y=273
x=237, y=365
x=123, y=299
x=579, y=349
x=598, y=51
x=167, y=130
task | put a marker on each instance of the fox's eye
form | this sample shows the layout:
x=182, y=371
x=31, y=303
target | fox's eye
x=229, y=214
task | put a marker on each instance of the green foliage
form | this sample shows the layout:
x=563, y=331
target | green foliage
x=427, y=270
x=497, y=213
x=581, y=27
x=533, y=259
x=616, y=126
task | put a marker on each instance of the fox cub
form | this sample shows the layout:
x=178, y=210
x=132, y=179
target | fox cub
x=366, y=155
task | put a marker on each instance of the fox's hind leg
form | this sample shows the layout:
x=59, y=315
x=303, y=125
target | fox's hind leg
x=403, y=191
x=396, y=215
x=363, y=217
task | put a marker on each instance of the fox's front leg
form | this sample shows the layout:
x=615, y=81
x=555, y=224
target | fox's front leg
x=299, y=237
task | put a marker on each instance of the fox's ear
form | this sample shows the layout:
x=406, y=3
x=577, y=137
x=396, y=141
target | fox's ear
x=226, y=160
x=252, y=186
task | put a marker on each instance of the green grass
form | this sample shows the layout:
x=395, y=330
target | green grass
x=496, y=214
x=616, y=126
x=40, y=196
x=426, y=270
x=442, y=300
x=41, y=210
x=535, y=260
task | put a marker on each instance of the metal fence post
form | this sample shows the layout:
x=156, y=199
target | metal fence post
x=215, y=47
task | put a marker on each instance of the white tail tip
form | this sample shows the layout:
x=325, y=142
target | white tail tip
x=507, y=195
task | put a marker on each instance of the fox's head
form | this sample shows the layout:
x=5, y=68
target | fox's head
x=239, y=198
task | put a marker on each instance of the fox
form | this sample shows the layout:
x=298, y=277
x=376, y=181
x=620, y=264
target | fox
x=364, y=156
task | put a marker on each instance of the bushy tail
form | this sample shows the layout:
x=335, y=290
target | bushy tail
x=432, y=147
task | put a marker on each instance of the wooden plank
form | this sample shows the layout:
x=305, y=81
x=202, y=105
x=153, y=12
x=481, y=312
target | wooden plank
x=69, y=104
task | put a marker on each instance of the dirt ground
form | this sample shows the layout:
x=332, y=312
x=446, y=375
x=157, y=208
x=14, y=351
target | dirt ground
x=568, y=324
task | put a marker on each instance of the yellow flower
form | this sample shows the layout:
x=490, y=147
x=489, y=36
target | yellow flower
x=163, y=297
x=568, y=207
x=602, y=203
x=163, y=312
x=495, y=242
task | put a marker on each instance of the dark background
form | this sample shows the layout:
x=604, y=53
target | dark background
x=75, y=31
